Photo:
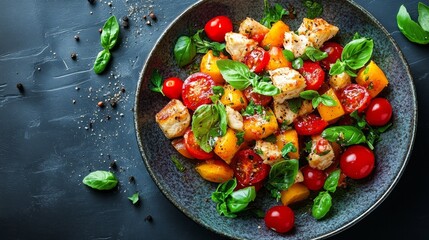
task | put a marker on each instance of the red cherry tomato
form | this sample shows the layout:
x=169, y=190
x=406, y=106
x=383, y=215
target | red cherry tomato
x=334, y=51
x=249, y=168
x=172, y=87
x=322, y=145
x=257, y=98
x=378, y=112
x=357, y=162
x=354, y=97
x=217, y=27
x=258, y=37
x=197, y=89
x=193, y=148
x=314, y=179
x=310, y=124
x=257, y=59
x=280, y=219
x=313, y=74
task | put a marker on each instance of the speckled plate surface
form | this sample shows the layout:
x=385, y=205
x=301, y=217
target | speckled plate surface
x=191, y=194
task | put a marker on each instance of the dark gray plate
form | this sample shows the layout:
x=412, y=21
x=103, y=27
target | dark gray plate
x=191, y=194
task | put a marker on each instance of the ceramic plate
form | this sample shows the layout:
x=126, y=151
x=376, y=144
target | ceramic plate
x=191, y=194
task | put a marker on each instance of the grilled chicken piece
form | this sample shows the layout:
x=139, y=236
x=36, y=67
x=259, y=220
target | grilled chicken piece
x=340, y=81
x=289, y=81
x=238, y=45
x=299, y=177
x=322, y=154
x=296, y=43
x=285, y=114
x=317, y=31
x=268, y=151
x=173, y=119
x=250, y=27
x=234, y=118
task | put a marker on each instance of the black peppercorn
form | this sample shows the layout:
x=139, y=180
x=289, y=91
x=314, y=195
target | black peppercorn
x=91, y=1
x=73, y=56
x=113, y=165
x=113, y=103
x=152, y=15
x=76, y=37
x=20, y=87
x=148, y=218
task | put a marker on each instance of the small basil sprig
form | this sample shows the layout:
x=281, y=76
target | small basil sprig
x=229, y=202
x=314, y=9
x=108, y=38
x=344, y=135
x=134, y=198
x=203, y=46
x=372, y=134
x=415, y=32
x=282, y=175
x=287, y=148
x=316, y=98
x=311, y=53
x=354, y=56
x=209, y=121
x=156, y=82
x=323, y=202
x=239, y=76
x=295, y=104
x=100, y=180
x=272, y=14
x=178, y=164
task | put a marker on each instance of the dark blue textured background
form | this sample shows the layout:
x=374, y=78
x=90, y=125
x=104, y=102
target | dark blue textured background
x=53, y=134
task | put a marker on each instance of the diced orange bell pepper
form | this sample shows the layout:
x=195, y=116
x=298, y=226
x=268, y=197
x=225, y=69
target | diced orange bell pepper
x=295, y=193
x=285, y=137
x=373, y=78
x=277, y=59
x=208, y=66
x=215, y=171
x=331, y=113
x=276, y=35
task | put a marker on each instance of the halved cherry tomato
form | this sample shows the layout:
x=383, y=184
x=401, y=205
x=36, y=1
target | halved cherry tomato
x=280, y=219
x=217, y=27
x=197, y=90
x=354, y=97
x=357, y=162
x=378, y=112
x=310, y=124
x=257, y=98
x=258, y=37
x=313, y=74
x=322, y=145
x=257, y=59
x=334, y=51
x=314, y=179
x=249, y=168
x=193, y=148
x=179, y=145
x=172, y=87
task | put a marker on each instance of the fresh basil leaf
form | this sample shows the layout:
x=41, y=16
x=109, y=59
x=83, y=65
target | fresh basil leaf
x=100, y=180
x=295, y=104
x=223, y=123
x=297, y=63
x=288, y=55
x=203, y=46
x=338, y=68
x=235, y=73
x=240, y=199
x=240, y=138
x=360, y=121
x=315, y=54
x=356, y=36
x=103, y=58
x=321, y=205
x=423, y=16
x=287, y=148
x=314, y=9
x=282, y=175
x=350, y=72
x=218, y=90
x=331, y=182
x=411, y=30
x=178, y=164
x=258, y=213
x=156, y=82
x=309, y=94
x=272, y=14
x=184, y=51
x=266, y=88
x=316, y=101
x=357, y=53
x=344, y=135
x=110, y=33
x=204, y=119
x=328, y=100
x=252, y=109
x=134, y=198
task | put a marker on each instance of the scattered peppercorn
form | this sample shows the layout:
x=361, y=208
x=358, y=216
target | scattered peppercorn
x=113, y=165
x=110, y=4
x=100, y=30
x=122, y=89
x=148, y=23
x=113, y=103
x=74, y=101
x=91, y=1
x=108, y=117
x=131, y=179
x=125, y=18
x=152, y=15
x=20, y=87
x=90, y=124
x=144, y=17
x=125, y=24
x=73, y=56
x=148, y=218
x=76, y=37
x=100, y=104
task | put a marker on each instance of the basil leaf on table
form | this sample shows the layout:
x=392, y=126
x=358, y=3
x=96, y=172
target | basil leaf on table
x=331, y=181
x=272, y=14
x=412, y=30
x=423, y=16
x=184, y=51
x=282, y=175
x=134, y=198
x=110, y=33
x=321, y=205
x=344, y=135
x=103, y=58
x=100, y=180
